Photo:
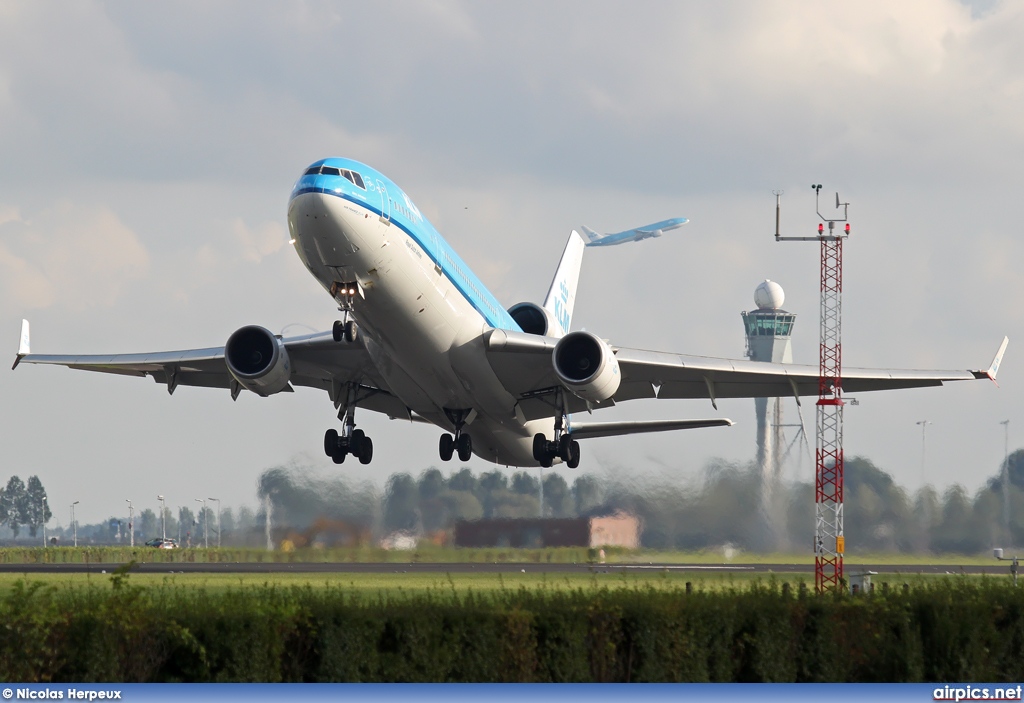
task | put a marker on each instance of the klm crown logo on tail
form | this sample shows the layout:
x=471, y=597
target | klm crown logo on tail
x=561, y=298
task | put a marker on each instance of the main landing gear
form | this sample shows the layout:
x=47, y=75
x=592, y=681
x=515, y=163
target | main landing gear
x=338, y=446
x=461, y=442
x=345, y=328
x=563, y=446
x=349, y=440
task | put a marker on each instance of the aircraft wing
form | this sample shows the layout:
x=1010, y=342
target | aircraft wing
x=317, y=362
x=523, y=364
x=585, y=430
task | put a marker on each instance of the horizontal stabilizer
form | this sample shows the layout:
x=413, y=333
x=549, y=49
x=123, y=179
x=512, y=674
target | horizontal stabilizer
x=584, y=430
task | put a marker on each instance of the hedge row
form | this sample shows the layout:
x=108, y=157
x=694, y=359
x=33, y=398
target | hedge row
x=953, y=631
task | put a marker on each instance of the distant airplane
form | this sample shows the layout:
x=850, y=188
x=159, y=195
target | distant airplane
x=633, y=235
x=422, y=339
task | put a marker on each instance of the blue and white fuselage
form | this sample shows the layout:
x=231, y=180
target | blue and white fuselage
x=421, y=311
x=633, y=235
x=423, y=339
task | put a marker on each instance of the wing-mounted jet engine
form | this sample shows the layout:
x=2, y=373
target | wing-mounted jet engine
x=586, y=365
x=257, y=359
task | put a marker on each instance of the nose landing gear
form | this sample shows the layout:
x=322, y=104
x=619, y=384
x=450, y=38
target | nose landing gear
x=345, y=329
x=344, y=294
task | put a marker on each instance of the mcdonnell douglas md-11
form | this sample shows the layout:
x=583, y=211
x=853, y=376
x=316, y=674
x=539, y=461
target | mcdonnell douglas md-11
x=421, y=338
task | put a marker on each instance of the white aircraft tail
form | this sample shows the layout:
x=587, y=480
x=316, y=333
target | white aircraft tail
x=561, y=296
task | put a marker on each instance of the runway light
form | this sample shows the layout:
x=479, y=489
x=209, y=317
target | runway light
x=821, y=228
x=847, y=227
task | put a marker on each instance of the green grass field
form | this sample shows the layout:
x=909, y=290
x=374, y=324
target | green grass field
x=441, y=585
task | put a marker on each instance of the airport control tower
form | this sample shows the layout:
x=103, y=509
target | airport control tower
x=768, y=331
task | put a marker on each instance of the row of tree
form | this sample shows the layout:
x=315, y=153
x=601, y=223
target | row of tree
x=722, y=507
x=24, y=505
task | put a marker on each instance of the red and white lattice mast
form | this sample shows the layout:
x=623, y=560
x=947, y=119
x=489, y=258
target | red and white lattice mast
x=829, y=540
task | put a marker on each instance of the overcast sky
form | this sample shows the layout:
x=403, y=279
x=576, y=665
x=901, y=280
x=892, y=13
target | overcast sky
x=148, y=151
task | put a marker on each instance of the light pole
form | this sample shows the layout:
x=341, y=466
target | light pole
x=924, y=428
x=74, y=525
x=218, y=519
x=131, y=520
x=206, y=531
x=1006, y=479
x=42, y=515
x=163, y=525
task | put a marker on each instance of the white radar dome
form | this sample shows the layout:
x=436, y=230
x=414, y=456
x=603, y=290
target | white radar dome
x=769, y=295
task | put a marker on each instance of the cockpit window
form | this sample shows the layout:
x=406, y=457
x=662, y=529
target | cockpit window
x=352, y=176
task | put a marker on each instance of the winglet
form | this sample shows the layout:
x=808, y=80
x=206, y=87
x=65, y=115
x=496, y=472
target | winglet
x=24, y=348
x=993, y=368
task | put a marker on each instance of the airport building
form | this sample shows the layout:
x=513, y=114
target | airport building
x=616, y=530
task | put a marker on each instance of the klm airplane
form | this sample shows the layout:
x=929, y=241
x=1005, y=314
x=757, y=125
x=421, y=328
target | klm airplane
x=421, y=338
x=633, y=235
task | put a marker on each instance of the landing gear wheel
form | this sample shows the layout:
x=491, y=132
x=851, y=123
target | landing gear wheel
x=564, y=445
x=351, y=331
x=330, y=442
x=339, y=455
x=366, y=451
x=338, y=330
x=465, y=447
x=356, y=442
x=446, y=447
x=574, y=455
x=540, y=447
x=546, y=462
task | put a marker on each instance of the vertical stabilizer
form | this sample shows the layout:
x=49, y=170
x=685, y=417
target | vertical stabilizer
x=561, y=296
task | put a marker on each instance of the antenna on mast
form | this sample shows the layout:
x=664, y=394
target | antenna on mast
x=778, y=208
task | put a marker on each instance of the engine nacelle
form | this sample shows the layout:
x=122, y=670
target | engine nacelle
x=587, y=366
x=533, y=319
x=258, y=360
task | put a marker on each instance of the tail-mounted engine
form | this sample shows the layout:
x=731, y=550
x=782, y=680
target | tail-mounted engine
x=587, y=366
x=533, y=319
x=258, y=360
